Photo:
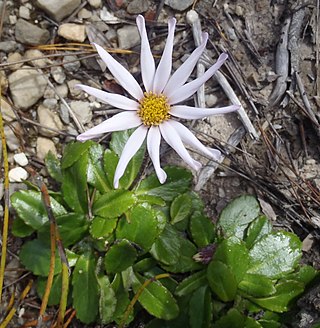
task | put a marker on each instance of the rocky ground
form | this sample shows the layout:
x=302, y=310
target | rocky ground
x=273, y=70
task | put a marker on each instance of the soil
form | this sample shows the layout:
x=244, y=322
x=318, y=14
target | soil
x=273, y=68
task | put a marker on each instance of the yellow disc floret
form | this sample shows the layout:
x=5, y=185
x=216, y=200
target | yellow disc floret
x=153, y=109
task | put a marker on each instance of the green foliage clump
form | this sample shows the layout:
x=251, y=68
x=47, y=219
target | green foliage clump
x=239, y=273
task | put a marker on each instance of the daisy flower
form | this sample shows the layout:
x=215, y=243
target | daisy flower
x=153, y=110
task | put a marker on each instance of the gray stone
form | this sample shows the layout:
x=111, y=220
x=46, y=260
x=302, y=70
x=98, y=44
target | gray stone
x=3, y=82
x=58, y=9
x=27, y=86
x=71, y=63
x=50, y=103
x=84, y=14
x=64, y=114
x=179, y=5
x=58, y=74
x=8, y=46
x=13, y=142
x=7, y=111
x=35, y=53
x=82, y=110
x=75, y=92
x=72, y=32
x=44, y=145
x=12, y=58
x=62, y=90
x=95, y=3
x=128, y=36
x=137, y=6
x=50, y=119
x=24, y=12
x=30, y=34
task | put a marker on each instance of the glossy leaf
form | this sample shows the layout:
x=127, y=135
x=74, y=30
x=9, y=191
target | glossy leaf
x=120, y=256
x=191, y=283
x=85, y=292
x=102, y=227
x=275, y=254
x=141, y=228
x=73, y=152
x=30, y=208
x=113, y=203
x=20, y=229
x=257, y=229
x=110, y=162
x=156, y=299
x=232, y=319
x=180, y=208
x=257, y=285
x=35, y=256
x=236, y=216
x=145, y=264
x=222, y=281
x=55, y=291
x=151, y=200
x=107, y=301
x=53, y=166
x=178, y=182
x=202, y=229
x=305, y=274
x=200, y=312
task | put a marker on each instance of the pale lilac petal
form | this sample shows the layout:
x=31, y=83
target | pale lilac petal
x=153, y=145
x=182, y=74
x=194, y=113
x=131, y=147
x=164, y=68
x=119, y=122
x=173, y=139
x=190, y=88
x=122, y=75
x=187, y=137
x=112, y=99
x=148, y=67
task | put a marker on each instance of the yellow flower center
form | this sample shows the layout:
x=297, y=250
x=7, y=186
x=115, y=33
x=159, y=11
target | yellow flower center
x=153, y=109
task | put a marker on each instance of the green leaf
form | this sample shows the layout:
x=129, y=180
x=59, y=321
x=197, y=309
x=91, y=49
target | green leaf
x=236, y=216
x=74, y=185
x=256, y=285
x=72, y=228
x=20, y=229
x=202, y=229
x=234, y=254
x=258, y=228
x=232, y=319
x=119, y=257
x=270, y=324
x=151, y=200
x=141, y=228
x=85, y=289
x=178, y=182
x=74, y=152
x=113, y=203
x=305, y=274
x=95, y=173
x=222, y=281
x=200, y=312
x=191, y=283
x=275, y=254
x=102, y=227
x=286, y=291
x=30, y=207
x=53, y=166
x=35, y=256
x=110, y=162
x=156, y=299
x=180, y=208
x=145, y=264
x=55, y=291
x=107, y=301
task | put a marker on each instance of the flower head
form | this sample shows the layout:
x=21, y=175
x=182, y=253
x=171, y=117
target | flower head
x=152, y=110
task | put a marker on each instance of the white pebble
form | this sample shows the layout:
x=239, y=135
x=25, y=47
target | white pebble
x=21, y=159
x=18, y=174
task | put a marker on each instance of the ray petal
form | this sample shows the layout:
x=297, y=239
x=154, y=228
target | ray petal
x=122, y=75
x=119, y=122
x=146, y=59
x=173, y=139
x=164, y=68
x=194, y=113
x=112, y=99
x=153, y=145
x=131, y=147
x=190, y=88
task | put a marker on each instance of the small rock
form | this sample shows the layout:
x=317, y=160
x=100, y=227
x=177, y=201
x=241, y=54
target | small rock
x=34, y=53
x=137, y=6
x=21, y=159
x=95, y=3
x=76, y=93
x=73, y=32
x=71, y=63
x=84, y=14
x=8, y=46
x=12, y=58
x=30, y=34
x=7, y=112
x=3, y=82
x=82, y=110
x=44, y=145
x=24, y=12
x=62, y=90
x=49, y=119
x=178, y=4
x=128, y=36
x=13, y=142
x=18, y=174
x=58, y=11
x=27, y=86
x=64, y=114
x=13, y=19
x=50, y=103
x=58, y=74
x=211, y=100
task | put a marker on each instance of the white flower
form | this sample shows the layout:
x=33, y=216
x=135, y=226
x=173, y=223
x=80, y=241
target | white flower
x=152, y=111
